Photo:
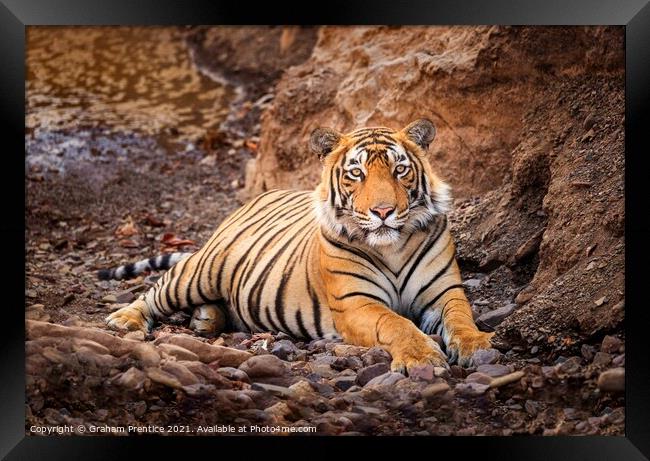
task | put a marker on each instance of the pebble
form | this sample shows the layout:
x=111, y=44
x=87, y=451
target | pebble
x=441, y=372
x=472, y=283
x=600, y=301
x=207, y=372
x=240, y=336
x=369, y=410
x=532, y=407
x=184, y=376
x=602, y=359
x=433, y=390
x=353, y=363
x=386, y=379
x=570, y=413
x=199, y=390
x=582, y=426
x=227, y=356
x=588, y=136
x=90, y=345
x=587, y=351
x=619, y=360
x=493, y=369
x=612, y=380
x=264, y=366
x=137, y=335
x=178, y=352
x=570, y=365
x=319, y=345
x=594, y=421
x=494, y=317
x=589, y=122
x=471, y=389
x=147, y=354
x=164, y=378
x=126, y=296
x=132, y=378
x=279, y=391
x=280, y=410
x=302, y=388
x=525, y=295
x=457, y=372
x=368, y=373
x=321, y=370
x=109, y=299
x=617, y=415
x=611, y=344
x=234, y=374
x=422, y=373
x=343, y=383
x=375, y=355
x=507, y=379
x=478, y=377
x=465, y=431
x=285, y=349
x=346, y=350
x=537, y=382
x=486, y=356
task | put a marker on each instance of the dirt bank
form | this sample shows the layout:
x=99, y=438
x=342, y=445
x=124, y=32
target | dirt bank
x=530, y=136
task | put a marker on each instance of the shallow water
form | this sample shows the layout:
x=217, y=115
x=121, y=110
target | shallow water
x=98, y=95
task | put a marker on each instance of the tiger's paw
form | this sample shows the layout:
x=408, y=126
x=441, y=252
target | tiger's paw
x=129, y=318
x=208, y=320
x=416, y=354
x=462, y=346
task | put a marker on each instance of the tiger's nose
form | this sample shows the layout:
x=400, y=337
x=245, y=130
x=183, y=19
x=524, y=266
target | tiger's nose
x=382, y=211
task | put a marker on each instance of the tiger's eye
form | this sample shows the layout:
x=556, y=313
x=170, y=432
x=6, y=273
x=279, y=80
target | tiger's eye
x=355, y=172
x=399, y=169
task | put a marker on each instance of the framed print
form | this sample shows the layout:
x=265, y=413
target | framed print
x=374, y=224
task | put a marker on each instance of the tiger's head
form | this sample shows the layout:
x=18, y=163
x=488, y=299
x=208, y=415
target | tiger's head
x=377, y=184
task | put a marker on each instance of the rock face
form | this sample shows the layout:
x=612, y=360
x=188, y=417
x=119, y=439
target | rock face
x=475, y=83
x=530, y=125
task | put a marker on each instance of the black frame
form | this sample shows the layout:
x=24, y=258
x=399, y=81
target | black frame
x=634, y=14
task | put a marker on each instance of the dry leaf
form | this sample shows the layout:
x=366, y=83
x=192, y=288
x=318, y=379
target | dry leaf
x=127, y=229
x=251, y=145
x=128, y=243
x=171, y=240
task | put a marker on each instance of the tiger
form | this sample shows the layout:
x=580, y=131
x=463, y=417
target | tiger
x=366, y=257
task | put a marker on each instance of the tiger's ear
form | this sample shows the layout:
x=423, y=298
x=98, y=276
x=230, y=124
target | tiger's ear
x=421, y=132
x=323, y=141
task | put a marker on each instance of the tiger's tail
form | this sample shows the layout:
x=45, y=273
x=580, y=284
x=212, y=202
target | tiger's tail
x=161, y=262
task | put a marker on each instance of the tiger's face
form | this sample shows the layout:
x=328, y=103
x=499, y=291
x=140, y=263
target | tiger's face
x=377, y=184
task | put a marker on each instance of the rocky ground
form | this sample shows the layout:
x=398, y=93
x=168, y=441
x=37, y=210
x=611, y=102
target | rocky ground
x=77, y=375
x=150, y=177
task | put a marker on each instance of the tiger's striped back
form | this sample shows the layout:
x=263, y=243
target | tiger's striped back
x=262, y=262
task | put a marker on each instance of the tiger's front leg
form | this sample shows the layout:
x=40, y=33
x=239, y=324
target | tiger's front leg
x=373, y=324
x=460, y=334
